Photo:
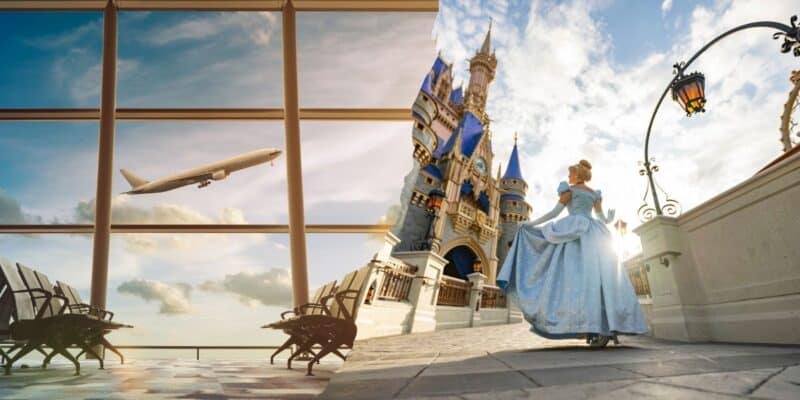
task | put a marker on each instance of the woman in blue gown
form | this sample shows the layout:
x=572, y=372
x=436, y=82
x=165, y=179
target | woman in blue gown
x=564, y=275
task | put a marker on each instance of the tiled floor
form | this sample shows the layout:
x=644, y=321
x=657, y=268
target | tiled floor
x=169, y=379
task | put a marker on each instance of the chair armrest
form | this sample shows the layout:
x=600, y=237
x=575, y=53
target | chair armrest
x=323, y=307
x=46, y=295
x=340, y=299
x=283, y=314
x=64, y=303
x=96, y=310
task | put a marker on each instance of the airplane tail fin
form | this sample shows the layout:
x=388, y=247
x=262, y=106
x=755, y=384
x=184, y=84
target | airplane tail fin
x=134, y=180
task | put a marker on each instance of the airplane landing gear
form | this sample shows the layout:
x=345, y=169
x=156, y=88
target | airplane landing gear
x=203, y=184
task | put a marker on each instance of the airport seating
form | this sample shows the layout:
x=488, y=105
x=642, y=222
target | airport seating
x=335, y=327
x=77, y=306
x=32, y=316
x=315, y=306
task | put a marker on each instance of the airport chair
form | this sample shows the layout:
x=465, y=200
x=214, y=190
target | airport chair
x=76, y=306
x=37, y=320
x=336, y=327
x=315, y=306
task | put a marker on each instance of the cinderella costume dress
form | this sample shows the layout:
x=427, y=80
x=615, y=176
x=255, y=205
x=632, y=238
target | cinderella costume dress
x=565, y=279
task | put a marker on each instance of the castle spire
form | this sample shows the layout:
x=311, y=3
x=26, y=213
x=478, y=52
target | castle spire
x=487, y=40
x=514, y=171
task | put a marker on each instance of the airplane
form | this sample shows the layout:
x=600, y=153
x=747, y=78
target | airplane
x=203, y=175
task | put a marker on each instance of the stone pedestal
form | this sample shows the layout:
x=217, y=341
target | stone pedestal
x=385, y=252
x=673, y=282
x=476, y=281
x=422, y=295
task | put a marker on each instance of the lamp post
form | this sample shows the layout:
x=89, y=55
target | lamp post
x=433, y=205
x=622, y=229
x=689, y=92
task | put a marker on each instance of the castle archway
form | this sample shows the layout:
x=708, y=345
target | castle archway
x=461, y=255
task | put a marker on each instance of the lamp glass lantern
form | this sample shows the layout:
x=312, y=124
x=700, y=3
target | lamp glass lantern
x=689, y=92
x=435, y=198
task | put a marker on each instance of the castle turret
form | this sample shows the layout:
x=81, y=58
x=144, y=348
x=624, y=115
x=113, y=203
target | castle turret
x=481, y=68
x=513, y=207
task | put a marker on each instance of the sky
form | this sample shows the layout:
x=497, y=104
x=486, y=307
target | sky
x=576, y=79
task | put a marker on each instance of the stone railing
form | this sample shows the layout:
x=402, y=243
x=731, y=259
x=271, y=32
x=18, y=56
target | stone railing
x=492, y=297
x=397, y=282
x=453, y=292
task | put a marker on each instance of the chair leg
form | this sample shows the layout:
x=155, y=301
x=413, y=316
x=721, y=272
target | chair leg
x=339, y=354
x=41, y=350
x=322, y=353
x=48, y=359
x=113, y=349
x=303, y=347
x=63, y=351
x=24, y=351
x=292, y=340
x=89, y=350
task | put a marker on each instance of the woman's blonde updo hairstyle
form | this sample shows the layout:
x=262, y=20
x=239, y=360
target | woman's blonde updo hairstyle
x=583, y=170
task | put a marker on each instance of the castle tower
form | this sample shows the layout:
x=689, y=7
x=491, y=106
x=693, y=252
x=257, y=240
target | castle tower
x=513, y=207
x=481, y=68
x=452, y=154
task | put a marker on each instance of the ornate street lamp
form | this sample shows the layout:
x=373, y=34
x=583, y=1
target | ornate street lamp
x=433, y=205
x=622, y=227
x=689, y=92
x=476, y=266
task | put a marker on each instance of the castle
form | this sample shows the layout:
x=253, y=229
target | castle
x=450, y=203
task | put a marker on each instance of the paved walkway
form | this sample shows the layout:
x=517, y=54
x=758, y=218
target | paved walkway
x=508, y=362
x=168, y=379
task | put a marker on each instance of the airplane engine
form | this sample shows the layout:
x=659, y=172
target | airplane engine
x=218, y=175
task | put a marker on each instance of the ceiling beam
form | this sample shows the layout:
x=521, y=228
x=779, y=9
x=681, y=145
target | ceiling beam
x=205, y=114
x=190, y=228
x=226, y=5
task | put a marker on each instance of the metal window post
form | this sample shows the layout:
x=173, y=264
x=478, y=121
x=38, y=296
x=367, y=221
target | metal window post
x=105, y=158
x=294, y=174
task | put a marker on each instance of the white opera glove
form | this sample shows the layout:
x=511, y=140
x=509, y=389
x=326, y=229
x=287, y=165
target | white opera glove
x=550, y=215
x=603, y=217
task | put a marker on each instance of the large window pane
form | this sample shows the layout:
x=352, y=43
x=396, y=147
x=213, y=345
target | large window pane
x=156, y=150
x=363, y=59
x=50, y=59
x=198, y=289
x=48, y=171
x=200, y=59
x=353, y=172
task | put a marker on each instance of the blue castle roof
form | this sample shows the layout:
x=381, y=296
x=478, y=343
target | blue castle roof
x=457, y=96
x=470, y=129
x=513, y=171
x=434, y=171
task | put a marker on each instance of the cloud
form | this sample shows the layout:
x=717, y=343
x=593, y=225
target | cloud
x=11, y=212
x=574, y=101
x=666, y=5
x=272, y=288
x=174, y=298
x=124, y=213
x=259, y=26
x=69, y=38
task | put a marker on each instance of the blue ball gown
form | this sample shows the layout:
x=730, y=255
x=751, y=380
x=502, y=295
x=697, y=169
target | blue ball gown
x=565, y=278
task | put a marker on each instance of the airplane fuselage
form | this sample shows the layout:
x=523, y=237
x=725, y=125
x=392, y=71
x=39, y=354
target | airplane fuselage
x=207, y=173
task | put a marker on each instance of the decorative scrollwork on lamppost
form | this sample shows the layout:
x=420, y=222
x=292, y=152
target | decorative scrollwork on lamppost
x=647, y=211
x=689, y=91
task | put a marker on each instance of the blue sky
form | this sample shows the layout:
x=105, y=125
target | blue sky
x=576, y=79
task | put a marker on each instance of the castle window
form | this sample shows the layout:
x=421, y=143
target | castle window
x=419, y=126
x=429, y=181
x=514, y=203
